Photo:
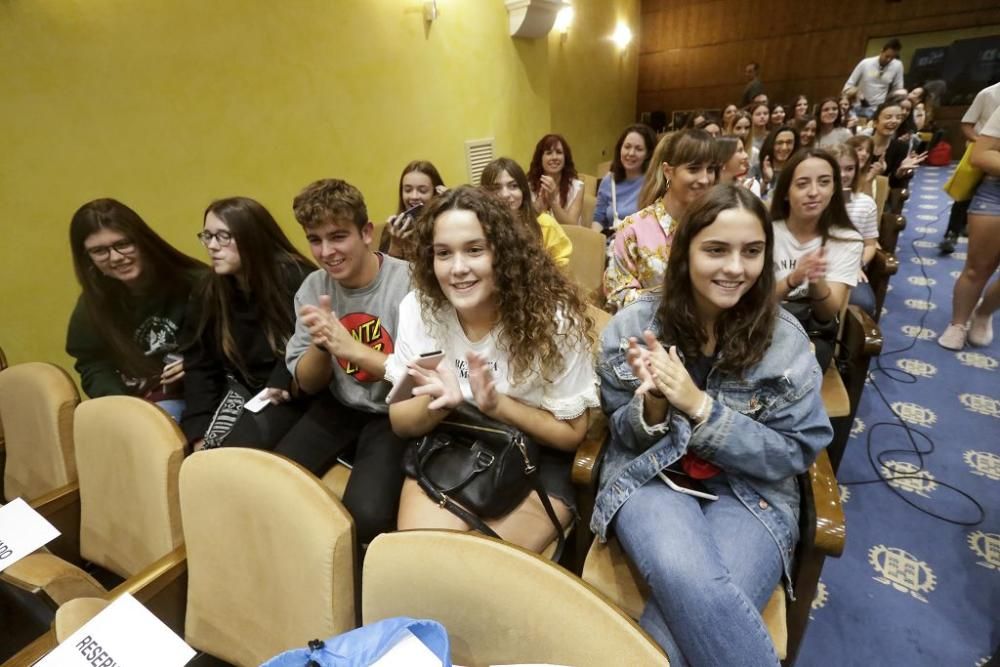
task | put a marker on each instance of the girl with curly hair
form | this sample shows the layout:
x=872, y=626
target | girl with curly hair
x=521, y=356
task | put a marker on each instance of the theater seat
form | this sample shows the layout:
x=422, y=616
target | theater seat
x=822, y=534
x=128, y=455
x=500, y=604
x=586, y=264
x=587, y=210
x=270, y=556
x=37, y=401
x=75, y=614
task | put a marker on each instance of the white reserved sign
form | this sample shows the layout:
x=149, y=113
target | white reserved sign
x=125, y=634
x=22, y=531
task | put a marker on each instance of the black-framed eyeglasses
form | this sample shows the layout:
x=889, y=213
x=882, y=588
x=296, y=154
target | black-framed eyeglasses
x=101, y=253
x=222, y=238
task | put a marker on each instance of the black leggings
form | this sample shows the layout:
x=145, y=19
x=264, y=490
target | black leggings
x=328, y=430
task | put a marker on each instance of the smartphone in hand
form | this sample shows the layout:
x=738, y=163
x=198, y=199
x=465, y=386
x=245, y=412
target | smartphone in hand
x=403, y=389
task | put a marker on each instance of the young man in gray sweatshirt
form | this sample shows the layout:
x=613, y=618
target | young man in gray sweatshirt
x=345, y=328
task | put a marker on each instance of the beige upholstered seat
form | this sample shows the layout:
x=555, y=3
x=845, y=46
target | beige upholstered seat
x=36, y=408
x=336, y=479
x=500, y=604
x=587, y=210
x=75, y=614
x=128, y=456
x=609, y=570
x=270, y=555
x=821, y=534
x=586, y=264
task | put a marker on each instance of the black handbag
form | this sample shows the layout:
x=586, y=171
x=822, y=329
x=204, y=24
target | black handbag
x=822, y=334
x=478, y=468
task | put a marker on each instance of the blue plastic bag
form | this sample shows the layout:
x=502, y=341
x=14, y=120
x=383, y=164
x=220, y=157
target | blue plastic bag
x=363, y=646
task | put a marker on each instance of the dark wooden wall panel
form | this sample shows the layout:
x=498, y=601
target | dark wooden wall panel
x=692, y=52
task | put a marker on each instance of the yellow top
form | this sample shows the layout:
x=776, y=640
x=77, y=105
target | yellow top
x=555, y=240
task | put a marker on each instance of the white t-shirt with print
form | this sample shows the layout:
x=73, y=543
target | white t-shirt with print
x=843, y=256
x=567, y=396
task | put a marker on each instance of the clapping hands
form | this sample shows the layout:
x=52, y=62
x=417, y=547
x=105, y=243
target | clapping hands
x=662, y=374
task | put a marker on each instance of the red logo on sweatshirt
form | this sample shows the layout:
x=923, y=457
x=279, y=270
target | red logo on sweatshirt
x=367, y=329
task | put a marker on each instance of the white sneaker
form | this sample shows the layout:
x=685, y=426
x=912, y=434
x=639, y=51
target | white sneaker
x=953, y=337
x=981, y=330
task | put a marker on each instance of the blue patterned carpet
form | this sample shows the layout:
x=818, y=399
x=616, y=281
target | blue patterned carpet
x=912, y=589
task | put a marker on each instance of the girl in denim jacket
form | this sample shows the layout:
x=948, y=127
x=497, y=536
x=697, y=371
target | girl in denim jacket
x=722, y=394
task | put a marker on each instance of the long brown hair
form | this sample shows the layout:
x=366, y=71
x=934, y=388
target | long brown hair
x=490, y=181
x=743, y=332
x=421, y=166
x=535, y=170
x=834, y=216
x=530, y=332
x=268, y=263
x=105, y=299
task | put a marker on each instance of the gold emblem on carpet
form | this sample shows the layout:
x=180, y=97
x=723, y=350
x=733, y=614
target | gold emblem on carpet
x=981, y=404
x=977, y=360
x=987, y=547
x=984, y=464
x=914, y=414
x=907, y=477
x=917, y=367
x=902, y=571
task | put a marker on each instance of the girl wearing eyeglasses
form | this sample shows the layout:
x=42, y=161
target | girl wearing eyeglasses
x=240, y=318
x=128, y=318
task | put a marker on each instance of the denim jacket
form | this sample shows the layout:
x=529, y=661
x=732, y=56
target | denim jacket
x=764, y=428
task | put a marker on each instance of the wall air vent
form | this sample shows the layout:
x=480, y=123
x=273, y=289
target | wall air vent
x=478, y=154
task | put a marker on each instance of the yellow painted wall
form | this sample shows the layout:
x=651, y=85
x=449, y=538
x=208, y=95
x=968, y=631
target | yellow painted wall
x=168, y=105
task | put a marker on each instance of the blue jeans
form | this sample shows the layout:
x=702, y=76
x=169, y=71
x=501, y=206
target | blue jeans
x=711, y=566
x=863, y=296
x=173, y=407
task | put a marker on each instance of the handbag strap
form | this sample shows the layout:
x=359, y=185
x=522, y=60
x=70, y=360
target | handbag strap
x=446, y=502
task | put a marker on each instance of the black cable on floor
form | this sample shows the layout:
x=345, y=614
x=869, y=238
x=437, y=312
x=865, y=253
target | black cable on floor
x=880, y=461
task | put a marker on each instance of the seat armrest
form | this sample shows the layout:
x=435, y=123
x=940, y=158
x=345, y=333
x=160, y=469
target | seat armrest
x=589, y=453
x=884, y=262
x=830, y=528
x=145, y=584
x=57, y=499
x=57, y=579
x=862, y=333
